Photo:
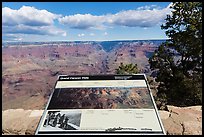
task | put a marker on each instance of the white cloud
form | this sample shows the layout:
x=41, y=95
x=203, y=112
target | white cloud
x=151, y=7
x=11, y=37
x=80, y=21
x=64, y=34
x=30, y=21
x=18, y=39
x=37, y=30
x=81, y=35
x=105, y=33
x=28, y=16
x=147, y=16
x=140, y=18
x=92, y=34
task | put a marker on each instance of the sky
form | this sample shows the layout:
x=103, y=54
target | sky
x=83, y=21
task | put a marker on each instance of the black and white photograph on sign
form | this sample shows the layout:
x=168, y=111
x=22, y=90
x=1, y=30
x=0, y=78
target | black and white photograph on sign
x=62, y=120
x=101, y=98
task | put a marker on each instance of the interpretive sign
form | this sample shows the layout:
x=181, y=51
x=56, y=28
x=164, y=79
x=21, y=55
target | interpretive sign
x=101, y=104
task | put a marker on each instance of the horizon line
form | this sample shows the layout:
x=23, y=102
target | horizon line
x=82, y=40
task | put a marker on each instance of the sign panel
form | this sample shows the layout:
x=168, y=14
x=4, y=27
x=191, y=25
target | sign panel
x=101, y=104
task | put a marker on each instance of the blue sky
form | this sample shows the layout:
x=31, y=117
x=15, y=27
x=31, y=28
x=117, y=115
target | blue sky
x=95, y=21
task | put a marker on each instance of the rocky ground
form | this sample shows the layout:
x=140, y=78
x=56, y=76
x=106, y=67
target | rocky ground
x=176, y=121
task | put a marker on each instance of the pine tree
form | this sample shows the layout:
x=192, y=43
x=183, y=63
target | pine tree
x=127, y=69
x=178, y=61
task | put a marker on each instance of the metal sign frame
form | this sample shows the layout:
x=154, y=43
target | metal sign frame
x=119, y=131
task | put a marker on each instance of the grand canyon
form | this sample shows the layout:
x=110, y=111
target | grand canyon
x=100, y=98
x=30, y=69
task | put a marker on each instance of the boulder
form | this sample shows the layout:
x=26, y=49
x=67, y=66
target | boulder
x=20, y=121
x=182, y=120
